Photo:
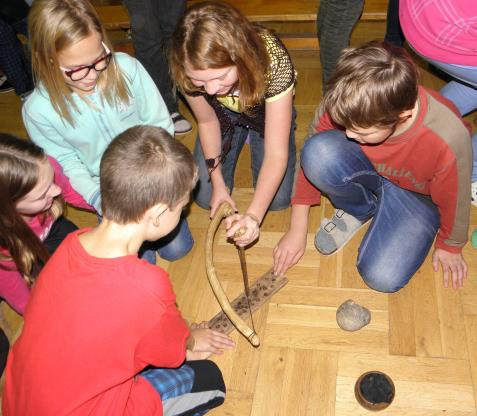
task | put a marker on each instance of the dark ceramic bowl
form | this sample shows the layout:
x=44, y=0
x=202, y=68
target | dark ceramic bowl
x=374, y=390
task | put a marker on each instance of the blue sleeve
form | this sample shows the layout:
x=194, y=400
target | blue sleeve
x=44, y=134
x=151, y=107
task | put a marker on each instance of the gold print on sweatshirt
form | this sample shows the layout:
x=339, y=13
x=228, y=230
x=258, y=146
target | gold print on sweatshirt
x=396, y=175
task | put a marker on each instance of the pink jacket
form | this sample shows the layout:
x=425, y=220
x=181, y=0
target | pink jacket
x=13, y=288
x=443, y=30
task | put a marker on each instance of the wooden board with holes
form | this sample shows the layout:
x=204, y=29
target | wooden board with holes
x=260, y=292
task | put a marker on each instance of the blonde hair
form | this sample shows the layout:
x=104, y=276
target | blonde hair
x=19, y=169
x=55, y=25
x=371, y=86
x=215, y=35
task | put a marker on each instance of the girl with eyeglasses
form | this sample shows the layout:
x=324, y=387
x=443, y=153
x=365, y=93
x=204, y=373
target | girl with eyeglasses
x=86, y=95
x=239, y=82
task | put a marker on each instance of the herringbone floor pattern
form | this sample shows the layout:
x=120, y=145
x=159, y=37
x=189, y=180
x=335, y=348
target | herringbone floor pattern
x=424, y=337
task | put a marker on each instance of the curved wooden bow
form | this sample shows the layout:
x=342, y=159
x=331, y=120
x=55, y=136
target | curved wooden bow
x=224, y=210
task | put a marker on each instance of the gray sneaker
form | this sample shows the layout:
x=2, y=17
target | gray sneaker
x=181, y=125
x=335, y=233
x=5, y=86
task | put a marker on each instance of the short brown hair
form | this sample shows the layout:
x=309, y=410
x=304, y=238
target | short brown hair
x=142, y=167
x=371, y=86
x=215, y=35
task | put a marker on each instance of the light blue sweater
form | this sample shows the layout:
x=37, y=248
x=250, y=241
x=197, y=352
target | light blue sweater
x=79, y=148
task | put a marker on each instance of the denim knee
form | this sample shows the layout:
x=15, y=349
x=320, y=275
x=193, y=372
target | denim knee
x=202, y=195
x=202, y=201
x=177, y=244
x=381, y=279
x=321, y=155
x=176, y=250
x=280, y=202
x=282, y=198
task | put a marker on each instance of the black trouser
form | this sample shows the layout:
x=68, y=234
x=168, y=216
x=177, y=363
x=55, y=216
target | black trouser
x=152, y=24
x=59, y=230
x=181, y=398
x=13, y=60
x=394, y=33
x=4, y=346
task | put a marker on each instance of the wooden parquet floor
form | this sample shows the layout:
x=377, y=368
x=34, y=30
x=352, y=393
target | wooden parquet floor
x=424, y=337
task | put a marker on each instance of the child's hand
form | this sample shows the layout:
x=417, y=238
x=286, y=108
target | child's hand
x=207, y=342
x=288, y=251
x=452, y=263
x=219, y=195
x=244, y=229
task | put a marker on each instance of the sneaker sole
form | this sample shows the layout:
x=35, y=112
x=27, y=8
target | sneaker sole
x=181, y=133
x=346, y=241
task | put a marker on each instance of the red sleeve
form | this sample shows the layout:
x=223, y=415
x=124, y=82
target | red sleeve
x=69, y=194
x=451, y=105
x=452, y=200
x=325, y=123
x=305, y=192
x=450, y=186
x=164, y=345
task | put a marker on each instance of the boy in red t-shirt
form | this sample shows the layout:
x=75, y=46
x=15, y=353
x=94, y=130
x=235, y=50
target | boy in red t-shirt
x=389, y=150
x=102, y=333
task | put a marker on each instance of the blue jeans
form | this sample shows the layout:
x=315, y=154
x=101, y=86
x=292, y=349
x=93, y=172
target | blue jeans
x=203, y=191
x=464, y=73
x=404, y=223
x=173, y=246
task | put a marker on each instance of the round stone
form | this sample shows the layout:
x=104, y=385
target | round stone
x=351, y=316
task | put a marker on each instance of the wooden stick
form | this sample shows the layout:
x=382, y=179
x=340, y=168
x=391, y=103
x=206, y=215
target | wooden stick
x=224, y=210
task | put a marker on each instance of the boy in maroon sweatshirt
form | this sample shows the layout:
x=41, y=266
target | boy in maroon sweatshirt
x=387, y=150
